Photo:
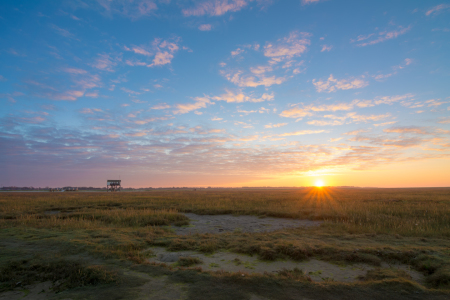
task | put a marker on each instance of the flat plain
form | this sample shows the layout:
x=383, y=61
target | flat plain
x=306, y=243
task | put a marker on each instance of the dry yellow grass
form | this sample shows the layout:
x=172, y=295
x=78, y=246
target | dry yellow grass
x=408, y=212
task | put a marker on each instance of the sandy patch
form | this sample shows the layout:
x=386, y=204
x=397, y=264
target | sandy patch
x=231, y=223
x=158, y=288
x=38, y=291
x=234, y=262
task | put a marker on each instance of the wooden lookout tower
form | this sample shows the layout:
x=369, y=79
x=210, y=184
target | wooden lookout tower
x=113, y=185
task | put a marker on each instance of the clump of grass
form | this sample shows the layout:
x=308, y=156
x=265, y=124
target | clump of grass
x=208, y=246
x=440, y=278
x=181, y=244
x=63, y=274
x=135, y=217
x=385, y=273
x=363, y=258
x=189, y=261
x=428, y=264
x=181, y=223
x=292, y=251
x=266, y=253
x=295, y=274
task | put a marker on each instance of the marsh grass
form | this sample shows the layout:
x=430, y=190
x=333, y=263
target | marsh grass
x=406, y=212
x=63, y=274
x=360, y=225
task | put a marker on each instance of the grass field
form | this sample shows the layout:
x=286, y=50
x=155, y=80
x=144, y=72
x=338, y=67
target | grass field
x=102, y=236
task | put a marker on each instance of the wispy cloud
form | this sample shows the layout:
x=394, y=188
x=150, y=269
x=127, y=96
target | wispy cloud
x=205, y=27
x=162, y=52
x=275, y=125
x=105, y=62
x=131, y=9
x=293, y=45
x=437, y=9
x=305, y=2
x=61, y=31
x=407, y=129
x=200, y=102
x=445, y=120
x=326, y=48
x=215, y=7
x=240, y=97
x=332, y=84
x=251, y=81
x=301, y=132
x=375, y=38
x=161, y=106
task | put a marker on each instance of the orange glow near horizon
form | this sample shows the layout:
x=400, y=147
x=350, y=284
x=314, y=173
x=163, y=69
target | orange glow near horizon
x=319, y=183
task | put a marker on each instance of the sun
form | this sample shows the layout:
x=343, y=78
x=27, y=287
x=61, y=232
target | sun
x=319, y=183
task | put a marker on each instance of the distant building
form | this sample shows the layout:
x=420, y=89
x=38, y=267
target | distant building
x=113, y=185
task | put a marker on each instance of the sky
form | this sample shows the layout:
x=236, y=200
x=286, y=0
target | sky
x=226, y=93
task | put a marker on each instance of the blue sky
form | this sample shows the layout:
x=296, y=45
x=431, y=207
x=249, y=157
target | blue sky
x=225, y=92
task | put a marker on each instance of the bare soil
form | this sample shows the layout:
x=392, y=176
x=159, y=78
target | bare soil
x=232, y=223
x=233, y=262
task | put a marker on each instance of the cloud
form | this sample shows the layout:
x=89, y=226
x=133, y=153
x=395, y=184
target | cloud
x=284, y=50
x=252, y=81
x=216, y=119
x=385, y=123
x=162, y=52
x=293, y=45
x=300, y=112
x=215, y=7
x=434, y=102
x=105, y=62
x=407, y=129
x=261, y=70
x=391, y=99
x=351, y=117
x=131, y=92
x=243, y=124
x=381, y=36
x=139, y=50
x=75, y=71
x=381, y=77
x=134, y=63
x=90, y=110
x=71, y=95
x=231, y=97
x=444, y=120
x=326, y=48
x=332, y=84
x=93, y=94
x=161, y=58
x=296, y=113
x=61, y=31
x=161, y=106
x=200, y=102
x=2, y=78
x=246, y=112
x=301, y=132
x=131, y=9
x=149, y=120
x=275, y=125
x=437, y=9
x=305, y=2
x=355, y=132
x=205, y=27
x=237, y=52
